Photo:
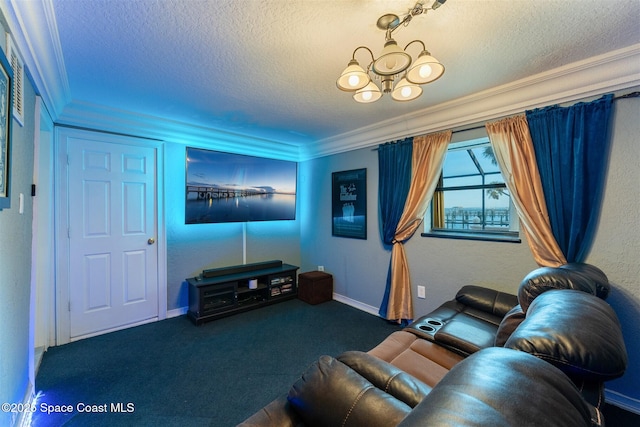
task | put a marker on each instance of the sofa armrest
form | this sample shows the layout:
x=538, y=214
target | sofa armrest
x=330, y=393
x=466, y=334
x=386, y=377
x=278, y=413
x=486, y=299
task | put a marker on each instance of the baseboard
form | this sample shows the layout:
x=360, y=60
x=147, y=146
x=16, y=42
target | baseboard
x=23, y=418
x=356, y=304
x=620, y=400
x=176, y=312
x=340, y=298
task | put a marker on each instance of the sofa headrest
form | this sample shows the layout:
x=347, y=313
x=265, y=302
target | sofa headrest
x=592, y=273
x=501, y=387
x=575, y=331
x=578, y=276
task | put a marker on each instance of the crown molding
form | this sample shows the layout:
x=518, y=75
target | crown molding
x=42, y=53
x=613, y=71
x=40, y=49
x=113, y=120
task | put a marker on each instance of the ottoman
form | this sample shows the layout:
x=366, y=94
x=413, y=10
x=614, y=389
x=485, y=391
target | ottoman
x=315, y=287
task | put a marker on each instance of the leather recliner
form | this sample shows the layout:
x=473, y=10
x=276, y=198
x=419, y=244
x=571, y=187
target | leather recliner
x=551, y=371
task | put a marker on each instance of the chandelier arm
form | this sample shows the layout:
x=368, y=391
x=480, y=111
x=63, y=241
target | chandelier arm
x=363, y=47
x=415, y=41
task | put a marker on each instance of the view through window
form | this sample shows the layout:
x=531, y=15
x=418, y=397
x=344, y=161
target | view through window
x=471, y=198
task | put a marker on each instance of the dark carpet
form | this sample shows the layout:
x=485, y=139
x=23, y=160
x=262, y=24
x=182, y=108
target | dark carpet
x=172, y=373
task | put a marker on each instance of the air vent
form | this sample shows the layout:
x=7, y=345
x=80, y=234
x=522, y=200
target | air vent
x=17, y=64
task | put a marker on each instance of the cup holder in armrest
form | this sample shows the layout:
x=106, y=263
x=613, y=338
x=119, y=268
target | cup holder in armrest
x=425, y=327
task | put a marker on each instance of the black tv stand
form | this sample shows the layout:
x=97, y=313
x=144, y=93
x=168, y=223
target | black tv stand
x=221, y=292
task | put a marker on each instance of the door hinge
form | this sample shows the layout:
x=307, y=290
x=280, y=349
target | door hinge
x=69, y=306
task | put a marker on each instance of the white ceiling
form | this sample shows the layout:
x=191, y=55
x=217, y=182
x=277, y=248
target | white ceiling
x=267, y=68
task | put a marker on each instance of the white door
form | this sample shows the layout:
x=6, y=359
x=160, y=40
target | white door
x=112, y=232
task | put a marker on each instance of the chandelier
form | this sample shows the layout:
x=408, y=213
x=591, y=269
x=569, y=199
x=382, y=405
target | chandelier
x=391, y=64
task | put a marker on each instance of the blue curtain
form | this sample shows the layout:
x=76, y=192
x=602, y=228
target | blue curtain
x=572, y=145
x=394, y=179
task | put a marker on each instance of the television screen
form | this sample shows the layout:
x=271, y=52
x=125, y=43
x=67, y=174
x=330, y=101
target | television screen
x=224, y=187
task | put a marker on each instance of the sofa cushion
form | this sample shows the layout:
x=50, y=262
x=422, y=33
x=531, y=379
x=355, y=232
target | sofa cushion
x=575, y=331
x=496, y=387
x=422, y=359
x=330, y=393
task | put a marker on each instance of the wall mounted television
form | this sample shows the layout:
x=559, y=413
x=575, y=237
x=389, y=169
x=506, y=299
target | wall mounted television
x=226, y=187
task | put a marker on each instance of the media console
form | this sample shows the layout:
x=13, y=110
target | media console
x=221, y=292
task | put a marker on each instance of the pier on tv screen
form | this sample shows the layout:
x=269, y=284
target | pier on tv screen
x=225, y=187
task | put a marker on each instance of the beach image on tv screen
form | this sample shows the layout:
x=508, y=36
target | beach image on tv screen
x=226, y=187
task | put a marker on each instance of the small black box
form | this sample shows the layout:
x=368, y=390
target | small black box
x=315, y=287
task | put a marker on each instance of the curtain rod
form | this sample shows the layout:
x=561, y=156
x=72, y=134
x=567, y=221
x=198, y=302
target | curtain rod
x=628, y=95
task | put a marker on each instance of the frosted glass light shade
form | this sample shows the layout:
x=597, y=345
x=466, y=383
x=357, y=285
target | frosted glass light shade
x=392, y=60
x=425, y=69
x=369, y=93
x=353, y=77
x=406, y=91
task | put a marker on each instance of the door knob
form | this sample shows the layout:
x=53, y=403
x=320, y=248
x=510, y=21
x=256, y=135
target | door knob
x=151, y=241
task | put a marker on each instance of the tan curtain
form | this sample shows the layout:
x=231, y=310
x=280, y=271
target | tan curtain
x=438, y=206
x=426, y=165
x=514, y=152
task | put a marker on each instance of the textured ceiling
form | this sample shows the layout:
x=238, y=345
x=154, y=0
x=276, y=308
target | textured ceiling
x=268, y=68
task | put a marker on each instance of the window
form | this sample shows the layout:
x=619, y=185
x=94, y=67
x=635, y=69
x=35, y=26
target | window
x=17, y=64
x=471, y=200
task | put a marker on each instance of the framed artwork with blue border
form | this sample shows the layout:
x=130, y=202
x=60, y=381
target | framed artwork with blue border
x=6, y=76
x=349, y=204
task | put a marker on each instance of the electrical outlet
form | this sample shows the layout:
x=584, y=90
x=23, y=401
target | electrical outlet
x=321, y=268
x=421, y=292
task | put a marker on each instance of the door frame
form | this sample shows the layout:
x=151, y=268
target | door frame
x=61, y=187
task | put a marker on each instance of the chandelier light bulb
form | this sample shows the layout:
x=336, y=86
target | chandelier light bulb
x=369, y=93
x=406, y=91
x=353, y=77
x=425, y=71
x=392, y=60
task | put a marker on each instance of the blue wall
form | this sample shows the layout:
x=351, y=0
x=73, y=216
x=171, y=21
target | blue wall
x=194, y=247
x=15, y=264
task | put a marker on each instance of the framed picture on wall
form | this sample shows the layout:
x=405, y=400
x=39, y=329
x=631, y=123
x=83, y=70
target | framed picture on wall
x=6, y=75
x=349, y=203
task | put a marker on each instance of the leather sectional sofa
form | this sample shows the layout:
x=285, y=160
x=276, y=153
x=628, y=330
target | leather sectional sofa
x=485, y=358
